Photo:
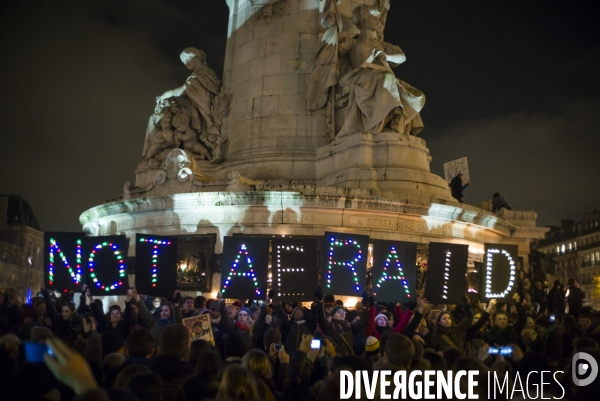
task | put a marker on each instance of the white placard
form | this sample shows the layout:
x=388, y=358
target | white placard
x=451, y=169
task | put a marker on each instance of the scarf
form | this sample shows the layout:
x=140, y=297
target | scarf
x=243, y=327
x=163, y=322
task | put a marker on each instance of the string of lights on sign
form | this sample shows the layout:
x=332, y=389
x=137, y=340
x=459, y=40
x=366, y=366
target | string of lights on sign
x=488, y=275
x=92, y=265
x=155, y=251
x=393, y=256
x=234, y=272
x=446, y=273
x=287, y=269
x=333, y=242
x=75, y=274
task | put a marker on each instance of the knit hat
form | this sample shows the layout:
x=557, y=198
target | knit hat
x=238, y=304
x=383, y=316
x=254, y=308
x=336, y=308
x=39, y=333
x=379, y=308
x=372, y=344
x=248, y=311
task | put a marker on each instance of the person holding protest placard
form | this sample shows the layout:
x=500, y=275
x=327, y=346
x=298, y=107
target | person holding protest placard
x=457, y=187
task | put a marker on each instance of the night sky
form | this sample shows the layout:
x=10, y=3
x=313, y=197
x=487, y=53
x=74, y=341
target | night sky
x=514, y=85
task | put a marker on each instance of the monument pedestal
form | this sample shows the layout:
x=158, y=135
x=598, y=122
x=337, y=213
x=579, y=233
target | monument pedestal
x=388, y=161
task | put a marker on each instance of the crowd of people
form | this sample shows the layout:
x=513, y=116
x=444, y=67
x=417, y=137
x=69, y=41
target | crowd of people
x=266, y=350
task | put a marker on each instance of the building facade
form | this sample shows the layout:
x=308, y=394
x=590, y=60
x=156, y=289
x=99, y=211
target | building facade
x=575, y=249
x=21, y=246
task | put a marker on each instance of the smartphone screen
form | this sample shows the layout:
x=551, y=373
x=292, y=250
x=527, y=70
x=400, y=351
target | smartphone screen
x=34, y=352
x=506, y=351
x=315, y=344
x=278, y=347
x=493, y=350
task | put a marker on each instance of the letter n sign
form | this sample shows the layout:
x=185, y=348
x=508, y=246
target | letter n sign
x=244, y=267
x=344, y=264
x=498, y=276
x=446, y=282
x=64, y=262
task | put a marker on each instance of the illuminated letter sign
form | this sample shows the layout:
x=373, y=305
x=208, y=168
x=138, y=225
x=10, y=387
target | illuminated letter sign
x=446, y=269
x=62, y=258
x=394, y=270
x=155, y=265
x=500, y=271
x=244, y=267
x=294, y=269
x=106, y=265
x=344, y=264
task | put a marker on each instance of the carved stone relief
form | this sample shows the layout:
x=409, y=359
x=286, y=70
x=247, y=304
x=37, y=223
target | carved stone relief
x=266, y=8
x=189, y=117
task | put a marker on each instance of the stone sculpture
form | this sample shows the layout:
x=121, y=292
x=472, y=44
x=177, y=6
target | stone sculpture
x=266, y=8
x=195, y=110
x=180, y=166
x=352, y=74
x=188, y=137
x=161, y=139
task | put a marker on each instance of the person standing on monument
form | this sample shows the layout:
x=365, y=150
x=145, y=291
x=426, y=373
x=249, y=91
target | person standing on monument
x=457, y=187
x=498, y=202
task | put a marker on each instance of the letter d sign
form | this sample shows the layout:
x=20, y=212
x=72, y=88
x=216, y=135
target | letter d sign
x=581, y=369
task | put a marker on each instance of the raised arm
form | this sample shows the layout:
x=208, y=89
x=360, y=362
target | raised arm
x=403, y=322
x=371, y=324
x=522, y=319
x=281, y=316
x=411, y=327
x=225, y=317
x=49, y=305
x=466, y=321
x=81, y=307
x=143, y=311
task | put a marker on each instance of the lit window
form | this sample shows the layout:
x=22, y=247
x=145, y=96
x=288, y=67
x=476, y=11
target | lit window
x=563, y=248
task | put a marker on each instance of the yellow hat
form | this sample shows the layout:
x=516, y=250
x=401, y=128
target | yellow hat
x=372, y=344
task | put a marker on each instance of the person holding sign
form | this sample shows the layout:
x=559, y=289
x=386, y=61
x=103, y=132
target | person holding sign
x=457, y=187
x=447, y=333
x=169, y=313
x=339, y=330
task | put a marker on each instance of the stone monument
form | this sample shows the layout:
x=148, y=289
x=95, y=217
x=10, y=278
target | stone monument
x=310, y=130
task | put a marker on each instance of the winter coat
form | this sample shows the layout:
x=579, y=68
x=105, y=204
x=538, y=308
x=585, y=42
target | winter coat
x=575, y=300
x=342, y=335
x=453, y=336
x=294, y=330
x=156, y=324
x=510, y=334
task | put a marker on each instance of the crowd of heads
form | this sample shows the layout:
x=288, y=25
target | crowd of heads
x=270, y=350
